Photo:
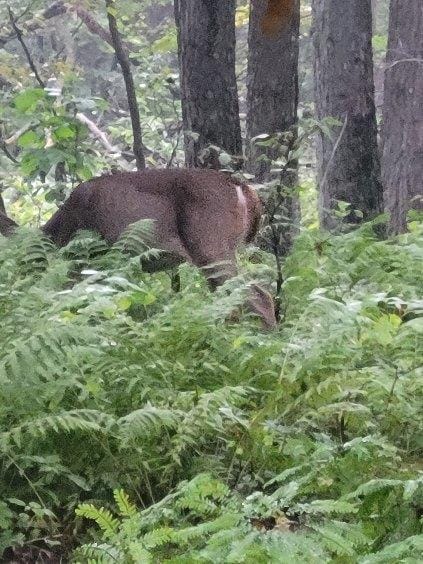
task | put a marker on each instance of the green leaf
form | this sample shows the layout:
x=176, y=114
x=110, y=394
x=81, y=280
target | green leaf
x=29, y=139
x=28, y=99
x=64, y=132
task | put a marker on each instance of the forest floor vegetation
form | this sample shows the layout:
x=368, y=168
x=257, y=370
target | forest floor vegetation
x=139, y=425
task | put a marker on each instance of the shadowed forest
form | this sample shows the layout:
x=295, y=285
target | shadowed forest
x=211, y=353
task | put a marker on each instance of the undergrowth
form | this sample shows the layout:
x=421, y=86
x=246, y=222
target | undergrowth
x=220, y=442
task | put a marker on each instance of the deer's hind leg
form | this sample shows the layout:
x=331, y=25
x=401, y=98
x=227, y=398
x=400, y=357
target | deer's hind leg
x=209, y=233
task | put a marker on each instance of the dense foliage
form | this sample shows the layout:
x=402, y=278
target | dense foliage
x=236, y=446
x=141, y=425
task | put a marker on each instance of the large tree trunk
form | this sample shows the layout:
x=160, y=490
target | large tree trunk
x=403, y=113
x=206, y=37
x=272, y=83
x=272, y=102
x=348, y=161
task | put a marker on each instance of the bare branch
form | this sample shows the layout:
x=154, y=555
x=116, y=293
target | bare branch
x=19, y=36
x=13, y=138
x=58, y=9
x=399, y=61
x=93, y=26
x=101, y=136
x=6, y=151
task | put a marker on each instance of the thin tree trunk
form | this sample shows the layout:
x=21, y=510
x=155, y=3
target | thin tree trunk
x=206, y=39
x=348, y=160
x=122, y=57
x=272, y=102
x=403, y=113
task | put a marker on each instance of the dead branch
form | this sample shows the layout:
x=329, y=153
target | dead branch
x=19, y=36
x=58, y=9
x=13, y=138
x=96, y=131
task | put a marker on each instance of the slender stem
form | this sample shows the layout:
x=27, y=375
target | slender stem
x=125, y=65
x=19, y=36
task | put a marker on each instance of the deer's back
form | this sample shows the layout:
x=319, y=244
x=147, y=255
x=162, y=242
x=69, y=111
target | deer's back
x=108, y=204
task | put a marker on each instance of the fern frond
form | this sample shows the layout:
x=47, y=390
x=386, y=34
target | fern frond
x=146, y=420
x=44, y=354
x=379, y=484
x=158, y=537
x=137, y=238
x=410, y=549
x=98, y=553
x=342, y=539
x=126, y=508
x=103, y=517
x=326, y=507
x=208, y=415
x=86, y=420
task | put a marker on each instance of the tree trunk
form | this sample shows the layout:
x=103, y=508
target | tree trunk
x=348, y=160
x=125, y=65
x=206, y=38
x=272, y=103
x=7, y=225
x=272, y=84
x=403, y=113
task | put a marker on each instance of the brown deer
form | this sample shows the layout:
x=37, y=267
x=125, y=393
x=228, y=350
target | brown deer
x=200, y=216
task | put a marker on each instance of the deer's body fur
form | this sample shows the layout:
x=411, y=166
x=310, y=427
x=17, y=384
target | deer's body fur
x=200, y=216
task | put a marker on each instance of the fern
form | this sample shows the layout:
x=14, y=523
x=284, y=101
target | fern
x=137, y=238
x=104, y=519
x=126, y=508
x=407, y=550
x=236, y=445
x=77, y=420
x=147, y=420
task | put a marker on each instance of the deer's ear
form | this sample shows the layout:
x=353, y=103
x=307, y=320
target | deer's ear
x=261, y=303
x=277, y=15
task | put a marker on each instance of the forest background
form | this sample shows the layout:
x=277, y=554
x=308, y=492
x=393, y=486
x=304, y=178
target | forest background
x=233, y=445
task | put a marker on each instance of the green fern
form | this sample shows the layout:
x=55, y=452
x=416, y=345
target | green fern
x=104, y=519
x=126, y=508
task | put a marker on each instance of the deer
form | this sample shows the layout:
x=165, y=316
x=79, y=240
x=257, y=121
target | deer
x=200, y=216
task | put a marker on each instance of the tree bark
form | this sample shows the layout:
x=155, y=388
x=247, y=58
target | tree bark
x=7, y=225
x=348, y=160
x=206, y=39
x=272, y=83
x=272, y=103
x=403, y=113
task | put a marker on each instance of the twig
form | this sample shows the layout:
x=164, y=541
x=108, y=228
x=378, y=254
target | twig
x=13, y=138
x=94, y=27
x=101, y=136
x=125, y=65
x=6, y=151
x=19, y=36
x=335, y=148
x=175, y=148
x=410, y=60
x=58, y=9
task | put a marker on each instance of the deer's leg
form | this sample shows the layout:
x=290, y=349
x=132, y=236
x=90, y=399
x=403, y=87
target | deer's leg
x=211, y=237
x=211, y=247
x=175, y=281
